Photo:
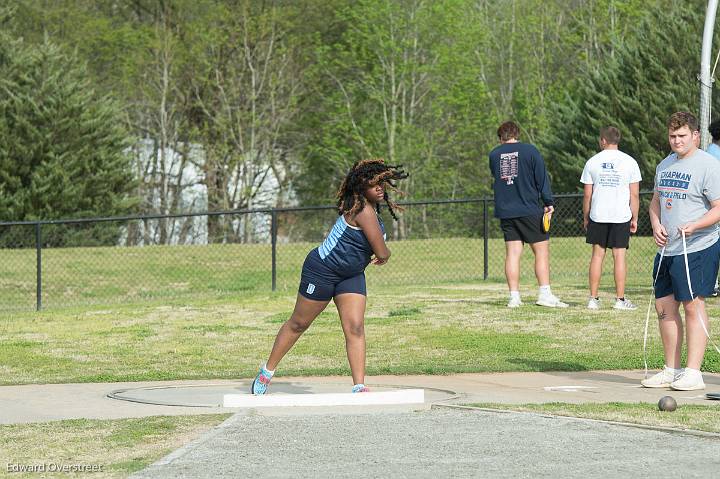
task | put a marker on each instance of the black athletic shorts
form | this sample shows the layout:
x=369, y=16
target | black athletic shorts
x=608, y=235
x=527, y=229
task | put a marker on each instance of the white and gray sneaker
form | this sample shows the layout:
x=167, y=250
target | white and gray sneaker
x=688, y=380
x=624, y=304
x=550, y=301
x=663, y=379
x=514, y=302
x=593, y=303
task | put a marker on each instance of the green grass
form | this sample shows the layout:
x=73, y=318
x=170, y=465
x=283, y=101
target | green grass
x=699, y=418
x=174, y=312
x=112, y=275
x=119, y=447
x=440, y=329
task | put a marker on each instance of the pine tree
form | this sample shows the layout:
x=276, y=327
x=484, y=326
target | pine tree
x=62, y=147
x=650, y=76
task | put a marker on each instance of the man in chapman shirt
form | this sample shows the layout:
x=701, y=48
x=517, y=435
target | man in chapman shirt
x=684, y=213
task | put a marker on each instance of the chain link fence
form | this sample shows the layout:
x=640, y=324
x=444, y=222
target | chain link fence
x=55, y=264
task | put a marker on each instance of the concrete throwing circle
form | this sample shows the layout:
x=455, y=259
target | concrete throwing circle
x=211, y=395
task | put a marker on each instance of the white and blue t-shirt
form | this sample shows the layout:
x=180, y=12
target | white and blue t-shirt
x=610, y=172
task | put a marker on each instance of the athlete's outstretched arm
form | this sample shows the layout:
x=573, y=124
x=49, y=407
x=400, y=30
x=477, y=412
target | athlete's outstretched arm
x=368, y=221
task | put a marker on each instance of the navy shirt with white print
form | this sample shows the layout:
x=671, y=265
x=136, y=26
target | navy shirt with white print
x=521, y=183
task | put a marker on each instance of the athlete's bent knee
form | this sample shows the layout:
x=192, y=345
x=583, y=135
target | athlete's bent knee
x=297, y=327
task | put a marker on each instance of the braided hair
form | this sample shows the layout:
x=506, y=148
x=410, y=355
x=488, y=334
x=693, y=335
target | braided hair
x=363, y=175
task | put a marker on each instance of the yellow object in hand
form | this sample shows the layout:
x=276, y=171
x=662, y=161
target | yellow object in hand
x=546, y=222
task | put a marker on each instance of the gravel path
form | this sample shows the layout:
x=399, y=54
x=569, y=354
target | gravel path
x=435, y=444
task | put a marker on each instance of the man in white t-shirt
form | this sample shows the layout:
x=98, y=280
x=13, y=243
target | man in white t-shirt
x=610, y=212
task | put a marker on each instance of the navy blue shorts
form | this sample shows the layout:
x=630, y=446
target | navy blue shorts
x=320, y=283
x=672, y=279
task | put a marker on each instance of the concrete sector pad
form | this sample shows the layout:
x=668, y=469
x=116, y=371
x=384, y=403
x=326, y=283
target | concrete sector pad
x=296, y=397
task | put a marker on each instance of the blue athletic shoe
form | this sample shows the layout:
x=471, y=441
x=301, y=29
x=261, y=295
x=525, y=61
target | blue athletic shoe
x=262, y=381
x=360, y=388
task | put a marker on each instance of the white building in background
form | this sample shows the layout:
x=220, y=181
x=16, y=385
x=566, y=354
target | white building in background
x=193, y=199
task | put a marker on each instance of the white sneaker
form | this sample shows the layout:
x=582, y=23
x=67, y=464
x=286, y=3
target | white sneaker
x=551, y=301
x=514, y=302
x=688, y=380
x=593, y=303
x=661, y=379
x=624, y=304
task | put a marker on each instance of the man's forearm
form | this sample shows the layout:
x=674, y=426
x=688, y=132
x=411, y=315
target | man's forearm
x=654, y=212
x=587, y=201
x=634, y=207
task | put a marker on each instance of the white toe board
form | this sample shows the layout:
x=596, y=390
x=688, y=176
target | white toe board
x=400, y=396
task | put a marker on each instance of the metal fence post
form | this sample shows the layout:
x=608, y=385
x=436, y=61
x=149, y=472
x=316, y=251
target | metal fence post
x=273, y=240
x=38, y=274
x=485, y=238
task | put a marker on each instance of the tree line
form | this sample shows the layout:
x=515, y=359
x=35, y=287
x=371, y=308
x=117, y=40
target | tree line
x=108, y=105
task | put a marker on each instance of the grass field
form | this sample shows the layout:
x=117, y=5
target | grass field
x=185, y=312
x=446, y=328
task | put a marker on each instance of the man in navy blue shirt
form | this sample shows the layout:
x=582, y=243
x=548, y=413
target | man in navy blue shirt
x=520, y=183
